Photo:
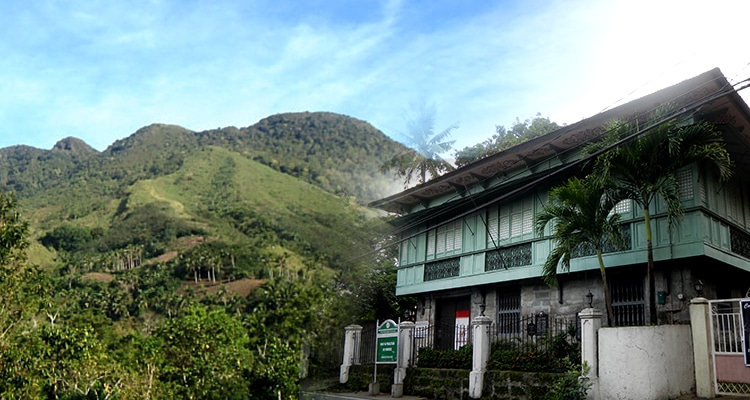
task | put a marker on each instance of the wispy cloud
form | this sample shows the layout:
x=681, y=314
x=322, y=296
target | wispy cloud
x=101, y=70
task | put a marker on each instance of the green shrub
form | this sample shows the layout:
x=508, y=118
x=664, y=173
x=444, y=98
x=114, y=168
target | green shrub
x=572, y=385
x=450, y=359
x=532, y=358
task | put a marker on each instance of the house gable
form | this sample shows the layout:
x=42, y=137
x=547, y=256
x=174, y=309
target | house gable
x=471, y=229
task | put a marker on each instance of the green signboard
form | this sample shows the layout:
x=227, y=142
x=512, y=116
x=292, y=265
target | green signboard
x=387, y=349
x=387, y=343
x=388, y=326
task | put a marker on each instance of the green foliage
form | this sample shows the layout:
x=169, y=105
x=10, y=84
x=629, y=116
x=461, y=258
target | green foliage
x=337, y=153
x=422, y=159
x=574, y=384
x=581, y=213
x=549, y=355
x=205, y=355
x=68, y=238
x=276, y=372
x=22, y=286
x=506, y=138
x=645, y=163
x=297, y=305
x=447, y=358
x=60, y=362
x=149, y=226
x=120, y=313
x=375, y=297
x=13, y=231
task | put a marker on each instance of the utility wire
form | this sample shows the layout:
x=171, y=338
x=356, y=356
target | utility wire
x=449, y=210
x=723, y=91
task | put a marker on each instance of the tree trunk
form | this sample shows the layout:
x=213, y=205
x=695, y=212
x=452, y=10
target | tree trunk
x=651, y=284
x=607, y=297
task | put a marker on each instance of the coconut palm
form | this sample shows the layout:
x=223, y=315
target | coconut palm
x=423, y=157
x=581, y=213
x=645, y=167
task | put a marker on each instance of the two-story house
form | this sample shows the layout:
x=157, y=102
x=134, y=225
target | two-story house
x=467, y=243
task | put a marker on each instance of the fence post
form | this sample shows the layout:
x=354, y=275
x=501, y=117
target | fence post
x=480, y=329
x=352, y=338
x=702, y=343
x=405, y=346
x=591, y=321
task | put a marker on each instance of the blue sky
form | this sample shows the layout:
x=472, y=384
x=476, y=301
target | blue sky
x=99, y=70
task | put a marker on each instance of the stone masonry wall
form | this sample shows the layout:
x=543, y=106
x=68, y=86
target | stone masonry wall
x=437, y=384
x=360, y=377
x=453, y=384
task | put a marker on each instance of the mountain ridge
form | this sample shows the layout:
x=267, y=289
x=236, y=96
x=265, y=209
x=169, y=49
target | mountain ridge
x=157, y=175
x=338, y=153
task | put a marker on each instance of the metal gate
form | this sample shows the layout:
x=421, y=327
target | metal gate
x=731, y=375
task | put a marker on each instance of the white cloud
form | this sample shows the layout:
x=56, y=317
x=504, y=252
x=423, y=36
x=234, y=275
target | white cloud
x=108, y=70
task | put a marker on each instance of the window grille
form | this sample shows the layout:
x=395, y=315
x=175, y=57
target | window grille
x=685, y=184
x=587, y=249
x=739, y=242
x=628, y=302
x=622, y=207
x=442, y=269
x=508, y=257
x=509, y=311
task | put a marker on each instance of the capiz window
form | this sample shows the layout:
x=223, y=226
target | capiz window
x=508, y=221
x=445, y=238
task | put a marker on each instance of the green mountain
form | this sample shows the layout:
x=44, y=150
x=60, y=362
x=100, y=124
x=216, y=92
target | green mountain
x=298, y=176
x=337, y=153
x=205, y=261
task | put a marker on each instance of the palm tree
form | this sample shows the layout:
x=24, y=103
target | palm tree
x=581, y=212
x=644, y=166
x=423, y=157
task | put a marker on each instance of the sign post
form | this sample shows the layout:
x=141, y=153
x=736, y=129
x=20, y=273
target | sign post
x=745, y=318
x=386, y=345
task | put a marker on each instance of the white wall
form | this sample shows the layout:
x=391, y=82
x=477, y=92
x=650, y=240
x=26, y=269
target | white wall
x=646, y=362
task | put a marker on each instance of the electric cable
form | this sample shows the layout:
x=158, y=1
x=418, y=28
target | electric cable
x=724, y=90
x=418, y=222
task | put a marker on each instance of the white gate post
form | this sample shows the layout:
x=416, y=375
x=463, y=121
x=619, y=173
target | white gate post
x=700, y=321
x=480, y=329
x=404, y=361
x=591, y=321
x=352, y=339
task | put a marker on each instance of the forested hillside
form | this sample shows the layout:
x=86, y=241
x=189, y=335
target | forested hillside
x=337, y=153
x=180, y=264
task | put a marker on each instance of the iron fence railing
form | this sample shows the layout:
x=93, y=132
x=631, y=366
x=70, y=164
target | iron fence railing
x=726, y=327
x=442, y=336
x=538, y=331
x=366, y=354
x=325, y=356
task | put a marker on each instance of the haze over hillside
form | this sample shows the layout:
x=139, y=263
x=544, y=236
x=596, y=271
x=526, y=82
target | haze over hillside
x=335, y=152
x=297, y=178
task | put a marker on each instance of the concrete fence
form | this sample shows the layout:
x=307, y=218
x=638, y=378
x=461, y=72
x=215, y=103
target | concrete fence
x=638, y=363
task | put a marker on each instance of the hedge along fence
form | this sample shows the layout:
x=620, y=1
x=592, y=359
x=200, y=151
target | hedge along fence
x=521, y=367
x=453, y=384
x=545, y=354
